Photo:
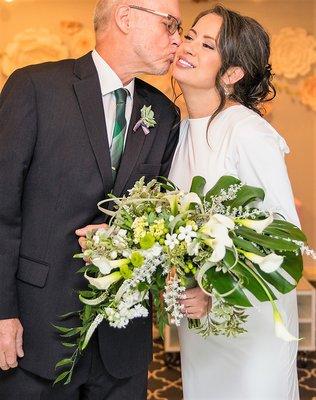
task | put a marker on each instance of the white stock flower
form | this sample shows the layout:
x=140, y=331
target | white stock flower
x=268, y=264
x=154, y=251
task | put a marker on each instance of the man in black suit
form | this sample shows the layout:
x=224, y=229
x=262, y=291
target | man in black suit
x=56, y=139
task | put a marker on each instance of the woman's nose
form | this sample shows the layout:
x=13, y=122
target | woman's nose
x=188, y=48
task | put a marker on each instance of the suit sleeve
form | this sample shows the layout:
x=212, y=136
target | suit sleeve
x=171, y=145
x=18, y=128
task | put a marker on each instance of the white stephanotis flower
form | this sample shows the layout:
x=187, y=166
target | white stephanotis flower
x=186, y=233
x=172, y=240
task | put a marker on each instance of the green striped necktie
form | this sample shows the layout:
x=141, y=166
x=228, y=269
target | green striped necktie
x=119, y=130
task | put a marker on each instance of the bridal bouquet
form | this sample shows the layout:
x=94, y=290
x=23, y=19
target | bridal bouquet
x=161, y=241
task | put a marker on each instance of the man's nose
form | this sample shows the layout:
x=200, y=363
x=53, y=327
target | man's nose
x=176, y=39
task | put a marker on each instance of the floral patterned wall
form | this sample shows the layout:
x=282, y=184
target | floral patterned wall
x=34, y=31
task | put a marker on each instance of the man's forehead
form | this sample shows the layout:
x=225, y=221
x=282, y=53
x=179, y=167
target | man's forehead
x=166, y=6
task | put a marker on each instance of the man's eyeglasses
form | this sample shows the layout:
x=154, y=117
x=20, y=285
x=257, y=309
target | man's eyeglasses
x=173, y=24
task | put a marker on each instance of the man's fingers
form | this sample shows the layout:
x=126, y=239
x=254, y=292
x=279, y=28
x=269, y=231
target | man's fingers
x=3, y=364
x=83, y=243
x=88, y=228
x=11, y=359
x=19, y=343
x=194, y=312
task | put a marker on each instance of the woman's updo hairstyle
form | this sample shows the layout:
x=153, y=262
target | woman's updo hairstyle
x=242, y=42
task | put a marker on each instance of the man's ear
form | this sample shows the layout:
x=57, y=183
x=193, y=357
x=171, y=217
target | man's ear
x=233, y=75
x=122, y=18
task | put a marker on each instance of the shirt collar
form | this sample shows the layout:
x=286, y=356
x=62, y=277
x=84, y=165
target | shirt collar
x=109, y=81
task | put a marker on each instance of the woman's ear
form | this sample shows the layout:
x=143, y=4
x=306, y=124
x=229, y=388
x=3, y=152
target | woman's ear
x=122, y=18
x=233, y=75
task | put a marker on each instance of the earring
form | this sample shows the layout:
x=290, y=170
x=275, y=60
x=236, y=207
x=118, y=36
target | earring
x=226, y=90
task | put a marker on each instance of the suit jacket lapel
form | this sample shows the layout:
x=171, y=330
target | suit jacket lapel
x=133, y=145
x=89, y=97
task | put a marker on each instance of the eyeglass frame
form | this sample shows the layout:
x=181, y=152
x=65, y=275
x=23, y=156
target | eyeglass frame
x=177, y=26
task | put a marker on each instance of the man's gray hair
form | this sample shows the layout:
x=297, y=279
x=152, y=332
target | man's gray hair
x=102, y=13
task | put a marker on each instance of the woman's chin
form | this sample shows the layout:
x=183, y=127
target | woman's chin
x=181, y=76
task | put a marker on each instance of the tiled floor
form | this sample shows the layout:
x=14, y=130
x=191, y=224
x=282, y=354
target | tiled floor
x=165, y=383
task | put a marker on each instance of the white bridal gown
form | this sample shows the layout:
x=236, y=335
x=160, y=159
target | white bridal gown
x=255, y=365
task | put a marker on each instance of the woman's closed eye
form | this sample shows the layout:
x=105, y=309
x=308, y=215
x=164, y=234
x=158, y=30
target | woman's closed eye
x=209, y=46
x=188, y=37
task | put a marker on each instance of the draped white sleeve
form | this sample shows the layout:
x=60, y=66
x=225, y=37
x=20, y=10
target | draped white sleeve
x=256, y=156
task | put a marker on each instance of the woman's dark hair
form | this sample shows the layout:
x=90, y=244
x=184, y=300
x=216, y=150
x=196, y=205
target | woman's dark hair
x=242, y=42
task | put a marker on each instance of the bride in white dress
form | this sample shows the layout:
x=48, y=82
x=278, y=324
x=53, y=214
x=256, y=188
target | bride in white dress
x=223, y=71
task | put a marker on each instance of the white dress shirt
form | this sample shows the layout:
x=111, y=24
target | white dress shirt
x=109, y=82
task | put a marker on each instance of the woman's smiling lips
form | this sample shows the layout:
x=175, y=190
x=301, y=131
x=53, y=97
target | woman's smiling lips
x=183, y=63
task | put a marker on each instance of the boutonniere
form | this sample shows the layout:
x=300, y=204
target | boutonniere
x=147, y=120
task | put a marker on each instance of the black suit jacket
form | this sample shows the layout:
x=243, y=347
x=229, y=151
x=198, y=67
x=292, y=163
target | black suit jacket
x=54, y=168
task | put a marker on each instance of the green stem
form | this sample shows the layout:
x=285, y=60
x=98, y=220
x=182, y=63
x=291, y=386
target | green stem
x=262, y=284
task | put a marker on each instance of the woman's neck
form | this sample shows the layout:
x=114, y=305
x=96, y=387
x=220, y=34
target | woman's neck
x=202, y=103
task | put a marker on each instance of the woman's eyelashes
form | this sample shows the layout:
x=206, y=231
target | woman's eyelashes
x=206, y=45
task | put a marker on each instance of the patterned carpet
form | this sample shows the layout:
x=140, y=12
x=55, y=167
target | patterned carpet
x=165, y=382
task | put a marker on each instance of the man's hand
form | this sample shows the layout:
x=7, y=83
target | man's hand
x=11, y=343
x=82, y=232
x=197, y=304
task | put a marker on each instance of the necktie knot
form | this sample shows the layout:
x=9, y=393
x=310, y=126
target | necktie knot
x=120, y=96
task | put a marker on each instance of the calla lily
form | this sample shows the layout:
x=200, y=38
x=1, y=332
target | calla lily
x=222, y=219
x=105, y=265
x=268, y=264
x=219, y=249
x=280, y=329
x=257, y=225
x=217, y=226
x=187, y=199
x=173, y=200
x=104, y=282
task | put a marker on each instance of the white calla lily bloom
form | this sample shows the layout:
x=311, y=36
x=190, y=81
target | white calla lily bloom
x=217, y=227
x=257, y=225
x=219, y=249
x=105, y=265
x=280, y=329
x=268, y=264
x=104, y=282
x=173, y=200
x=187, y=199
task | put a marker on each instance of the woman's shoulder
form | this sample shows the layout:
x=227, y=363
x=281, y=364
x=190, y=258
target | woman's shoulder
x=247, y=126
